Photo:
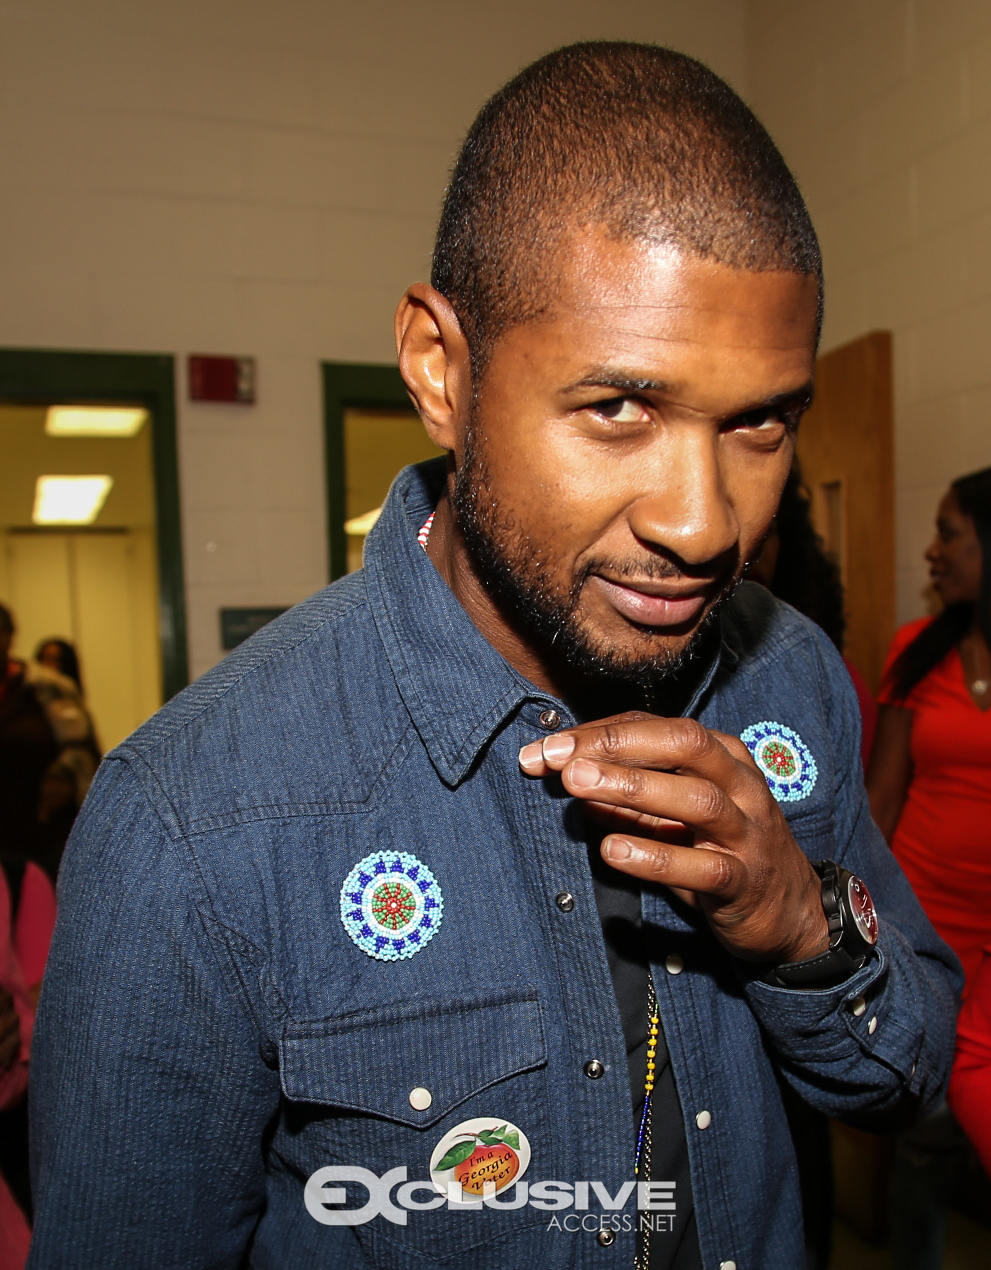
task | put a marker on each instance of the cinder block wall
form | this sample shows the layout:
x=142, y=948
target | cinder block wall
x=257, y=178
x=884, y=112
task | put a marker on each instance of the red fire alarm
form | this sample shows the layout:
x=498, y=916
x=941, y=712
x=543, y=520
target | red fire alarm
x=222, y=379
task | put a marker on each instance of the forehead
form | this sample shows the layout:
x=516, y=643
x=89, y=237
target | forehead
x=656, y=310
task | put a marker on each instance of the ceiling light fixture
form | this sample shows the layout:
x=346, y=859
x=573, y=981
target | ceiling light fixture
x=94, y=421
x=70, y=500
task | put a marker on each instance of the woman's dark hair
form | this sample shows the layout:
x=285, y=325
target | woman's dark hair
x=68, y=662
x=804, y=575
x=933, y=642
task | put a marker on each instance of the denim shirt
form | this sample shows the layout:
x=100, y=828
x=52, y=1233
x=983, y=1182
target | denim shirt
x=210, y=1035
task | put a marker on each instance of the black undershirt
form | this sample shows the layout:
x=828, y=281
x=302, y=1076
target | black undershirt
x=617, y=897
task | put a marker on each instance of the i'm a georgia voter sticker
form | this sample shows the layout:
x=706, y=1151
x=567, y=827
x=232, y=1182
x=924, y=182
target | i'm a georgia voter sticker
x=483, y=1156
x=784, y=759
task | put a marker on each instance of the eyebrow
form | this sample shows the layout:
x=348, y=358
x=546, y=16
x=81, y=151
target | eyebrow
x=622, y=384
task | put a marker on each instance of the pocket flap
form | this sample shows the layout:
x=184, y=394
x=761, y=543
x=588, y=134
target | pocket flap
x=370, y=1061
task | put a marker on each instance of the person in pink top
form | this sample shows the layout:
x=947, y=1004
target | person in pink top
x=16, y=1022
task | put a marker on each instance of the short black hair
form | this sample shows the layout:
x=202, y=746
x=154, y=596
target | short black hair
x=642, y=141
x=6, y=620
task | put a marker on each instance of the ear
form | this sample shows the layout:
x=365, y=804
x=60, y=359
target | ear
x=434, y=363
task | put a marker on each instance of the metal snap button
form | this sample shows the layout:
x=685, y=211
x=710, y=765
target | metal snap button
x=872, y=1026
x=858, y=1006
x=674, y=964
x=703, y=1119
x=550, y=719
x=727, y=1265
x=565, y=901
x=420, y=1098
x=606, y=1238
x=593, y=1069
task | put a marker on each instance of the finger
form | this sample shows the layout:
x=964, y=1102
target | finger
x=637, y=819
x=697, y=869
x=686, y=800
x=549, y=754
x=674, y=745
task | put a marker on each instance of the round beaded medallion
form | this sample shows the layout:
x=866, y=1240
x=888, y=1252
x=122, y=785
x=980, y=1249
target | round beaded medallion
x=784, y=759
x=391, y=905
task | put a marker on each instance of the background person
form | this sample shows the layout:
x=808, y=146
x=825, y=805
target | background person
x=16, y=1022
x=970, y=1084
x=793, y=564
x=28, y=748
x=929, y=780
x=55, y=679
x=61, y=656
x=929, y=784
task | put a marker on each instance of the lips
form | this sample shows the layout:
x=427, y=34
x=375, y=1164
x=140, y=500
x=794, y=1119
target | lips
x=651, y=603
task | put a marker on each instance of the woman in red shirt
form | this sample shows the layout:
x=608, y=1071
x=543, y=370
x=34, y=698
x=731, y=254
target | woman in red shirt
x=970, y=1084
x=930, y=773
x=929, y=783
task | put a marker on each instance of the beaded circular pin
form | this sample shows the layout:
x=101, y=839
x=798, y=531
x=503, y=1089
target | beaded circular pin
x=391, y=905
x=784, y=759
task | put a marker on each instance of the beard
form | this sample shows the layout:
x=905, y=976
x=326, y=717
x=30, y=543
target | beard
x=518, y=574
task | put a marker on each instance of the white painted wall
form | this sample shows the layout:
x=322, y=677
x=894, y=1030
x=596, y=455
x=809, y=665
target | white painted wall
x=259, y=177
x=883, y=109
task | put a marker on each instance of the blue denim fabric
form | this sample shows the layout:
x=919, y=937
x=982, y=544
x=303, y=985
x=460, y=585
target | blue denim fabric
x=209, y=1035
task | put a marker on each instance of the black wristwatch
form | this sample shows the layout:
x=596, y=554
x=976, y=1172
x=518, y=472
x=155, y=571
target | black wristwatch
x=852, y=933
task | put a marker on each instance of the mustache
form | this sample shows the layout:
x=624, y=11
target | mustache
x=656, y=568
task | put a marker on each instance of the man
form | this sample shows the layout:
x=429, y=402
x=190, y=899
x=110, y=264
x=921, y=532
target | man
x=373, y=940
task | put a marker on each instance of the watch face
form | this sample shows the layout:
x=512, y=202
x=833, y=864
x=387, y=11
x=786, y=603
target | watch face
x=862, y=909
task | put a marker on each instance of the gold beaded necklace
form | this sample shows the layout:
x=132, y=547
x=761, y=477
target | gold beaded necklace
x=642, y=1259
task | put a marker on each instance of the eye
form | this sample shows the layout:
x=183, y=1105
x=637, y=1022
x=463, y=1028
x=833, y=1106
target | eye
x=763, y=420
x=622, y=410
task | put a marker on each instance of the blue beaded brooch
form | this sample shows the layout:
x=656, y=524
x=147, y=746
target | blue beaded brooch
x=784, y=759
x=391, y=905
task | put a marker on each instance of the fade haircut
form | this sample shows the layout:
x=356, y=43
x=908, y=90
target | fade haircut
x=636, y=140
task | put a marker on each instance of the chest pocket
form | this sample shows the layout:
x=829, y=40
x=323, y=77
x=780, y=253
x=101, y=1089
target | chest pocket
x=348, y=1084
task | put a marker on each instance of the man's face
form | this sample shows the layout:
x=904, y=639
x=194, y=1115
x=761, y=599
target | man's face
x=626, y=453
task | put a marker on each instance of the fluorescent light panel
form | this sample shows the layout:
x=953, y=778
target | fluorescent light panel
x=70, y=500
x=94, y=421
x=358, y=526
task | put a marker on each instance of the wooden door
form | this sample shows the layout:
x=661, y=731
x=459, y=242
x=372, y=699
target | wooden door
x=845, y=448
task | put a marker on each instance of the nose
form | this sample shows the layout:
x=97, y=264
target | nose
x=684, y=510
x=933, y=552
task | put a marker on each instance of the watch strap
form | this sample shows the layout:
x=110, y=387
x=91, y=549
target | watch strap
x=830, y=968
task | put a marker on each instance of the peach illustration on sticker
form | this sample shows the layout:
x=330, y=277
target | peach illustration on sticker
x=483, y=1156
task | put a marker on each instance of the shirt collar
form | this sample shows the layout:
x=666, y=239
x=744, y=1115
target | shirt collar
x=457, y=688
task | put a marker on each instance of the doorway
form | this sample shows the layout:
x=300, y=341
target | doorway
x=107, y=579
x=371, y=432
x=845, y=449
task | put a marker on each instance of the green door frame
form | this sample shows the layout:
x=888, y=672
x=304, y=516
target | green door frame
x=356, y=386
x=30, y=376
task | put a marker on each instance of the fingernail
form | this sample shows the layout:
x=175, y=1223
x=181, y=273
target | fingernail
x=583, y=773
x=558, y=748
x=531, y=756
x=616, y=849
